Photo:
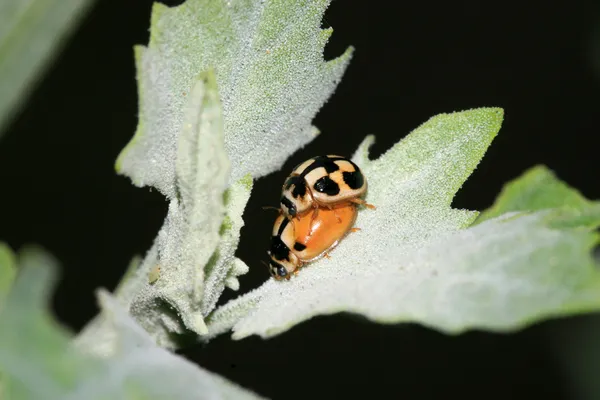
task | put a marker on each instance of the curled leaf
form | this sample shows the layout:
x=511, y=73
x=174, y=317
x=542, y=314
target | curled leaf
x=192, y=256
x=223, y=268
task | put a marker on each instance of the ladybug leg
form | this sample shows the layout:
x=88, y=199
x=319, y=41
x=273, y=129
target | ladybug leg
x=297, y=269
x=364, y=203
x=354, y=230
x=326, y=255
x=339, y=219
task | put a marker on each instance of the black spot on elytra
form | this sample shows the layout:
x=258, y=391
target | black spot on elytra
x=299, y=186
x=323, y=161
x=299, y=246
x=278, y=249
x=355, y=180
x=329, y=165
x=327, y=186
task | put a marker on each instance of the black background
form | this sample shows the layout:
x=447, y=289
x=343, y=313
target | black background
x=539, y=62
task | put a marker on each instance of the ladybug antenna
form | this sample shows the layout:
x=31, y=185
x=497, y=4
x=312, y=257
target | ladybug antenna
x=271, y=208
x=265, y=263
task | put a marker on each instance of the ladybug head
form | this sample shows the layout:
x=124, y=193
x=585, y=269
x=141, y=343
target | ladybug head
x=295, y=198
x=278, y=271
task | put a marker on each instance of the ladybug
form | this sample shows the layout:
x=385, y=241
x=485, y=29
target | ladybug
x=305, y=239
x=322, y=181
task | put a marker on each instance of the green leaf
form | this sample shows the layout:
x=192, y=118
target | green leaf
x=190, y=234
x=34, y=350
x=223, y=268
x=268, y=61
x=192, y=259
x=155, y=372
x=31, y=35
x=38, y=361
x=201, y=141
x=413, y=261
x=575, y=341
x=8, y=270
x=537, y=189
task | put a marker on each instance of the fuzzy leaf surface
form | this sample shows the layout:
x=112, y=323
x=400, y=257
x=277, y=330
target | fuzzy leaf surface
x=178, y=282
x=267, y=80
x=414, y=261
x=272, y=78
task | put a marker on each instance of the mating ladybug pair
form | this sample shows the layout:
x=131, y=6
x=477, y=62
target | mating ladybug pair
x=318, y=208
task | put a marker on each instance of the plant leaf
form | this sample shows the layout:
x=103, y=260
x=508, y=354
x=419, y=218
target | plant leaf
x=8, y=270
x=190, y=234
x=223, y=268
x=31, y=34
x=268, y=60
x=180, y=279
x=574, y=340
x=537, y=189
x=156, y=372
x=38, y=361
x=34, y=354
x=412, y=261
x=272, y=79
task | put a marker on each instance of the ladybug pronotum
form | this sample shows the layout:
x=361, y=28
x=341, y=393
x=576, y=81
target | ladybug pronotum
x=322, y=182
x=305, y=239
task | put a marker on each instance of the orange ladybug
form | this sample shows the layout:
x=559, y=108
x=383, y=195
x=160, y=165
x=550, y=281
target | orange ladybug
x=308, y=238
x=323, y=182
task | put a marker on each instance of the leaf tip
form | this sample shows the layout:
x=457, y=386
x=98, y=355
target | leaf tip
x=347, y=54
x=490, y=116
x=232, y=283
x=199, y=326
x=37, y=275
x=361, y=155
x=495, y=114
x=7, y=256
x=158, y=9
x=324, y=36
x=236, y=335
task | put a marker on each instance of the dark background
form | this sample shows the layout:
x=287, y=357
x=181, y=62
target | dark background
x=539, y=62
